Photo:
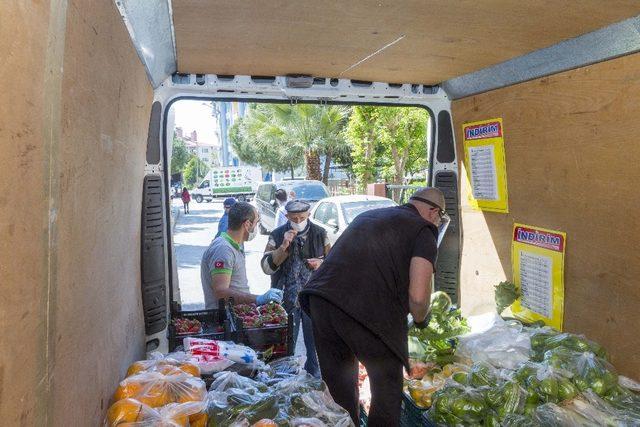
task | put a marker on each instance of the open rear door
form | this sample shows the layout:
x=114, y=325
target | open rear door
x=443, y=174
x=154, y=237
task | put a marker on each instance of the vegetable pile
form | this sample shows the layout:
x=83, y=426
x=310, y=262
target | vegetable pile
x=436, y=343
x=505, y=294
x=271, y=314
x=566, y=382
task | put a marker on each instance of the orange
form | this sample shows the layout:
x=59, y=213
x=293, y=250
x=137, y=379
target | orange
x=265, y=422
x=128, y=388
x=123, y=411
x=137, y=367
x=198, y=420
x=168, y=370
x=191, y=390
x=156, y=394
x=190, y=368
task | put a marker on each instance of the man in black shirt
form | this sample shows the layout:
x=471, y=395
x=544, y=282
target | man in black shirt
x=378, y=272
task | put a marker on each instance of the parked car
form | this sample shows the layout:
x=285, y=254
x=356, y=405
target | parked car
x=334, y=214
x=308, y=190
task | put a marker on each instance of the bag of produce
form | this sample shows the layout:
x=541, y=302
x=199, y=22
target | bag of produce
x=134, y=413
x=439, y=338
x=458, y=405
x=238, y=407
x=601, y=412
x=517, y=420
x=588, y=370
x=544, y=383
x=156, y=389
x=226, y=380
x=546, y=339
x=552, y=415
x=503, y=345
x=171, y=363
x=320, y=405
x=281, y=369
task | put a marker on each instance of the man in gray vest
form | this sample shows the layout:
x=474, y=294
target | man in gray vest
x=294, y=250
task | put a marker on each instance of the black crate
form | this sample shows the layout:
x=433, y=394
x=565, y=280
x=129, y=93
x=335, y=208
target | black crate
x=276, y=340
x=215, y=326
x=412, y=415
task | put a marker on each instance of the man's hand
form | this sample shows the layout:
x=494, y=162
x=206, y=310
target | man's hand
x=314, y=263
x=271, y=295
x=288, y=238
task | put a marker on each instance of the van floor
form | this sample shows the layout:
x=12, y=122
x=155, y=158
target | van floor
x=192, y=235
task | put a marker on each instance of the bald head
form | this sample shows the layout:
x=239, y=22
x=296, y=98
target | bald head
x=432, y=194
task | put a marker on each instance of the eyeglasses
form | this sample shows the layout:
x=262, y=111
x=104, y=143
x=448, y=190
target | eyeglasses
x=441, y=211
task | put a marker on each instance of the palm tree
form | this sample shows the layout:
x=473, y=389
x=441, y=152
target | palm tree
x=317, y=130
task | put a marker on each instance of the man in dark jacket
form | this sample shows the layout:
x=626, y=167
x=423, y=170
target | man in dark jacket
x=378, y=272
x=294, y=250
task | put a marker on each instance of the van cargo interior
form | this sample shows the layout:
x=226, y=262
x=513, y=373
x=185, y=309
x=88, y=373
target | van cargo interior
x=83, y=207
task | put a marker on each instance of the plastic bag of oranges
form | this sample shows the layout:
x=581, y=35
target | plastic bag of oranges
x=171, y=364
x=133, y=413
x=156, y=389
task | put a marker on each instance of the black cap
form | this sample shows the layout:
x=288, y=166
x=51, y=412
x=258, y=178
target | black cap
x=297, y=206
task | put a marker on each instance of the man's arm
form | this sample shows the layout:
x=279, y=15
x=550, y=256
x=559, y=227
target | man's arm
x=420, y=275
x=220, y=283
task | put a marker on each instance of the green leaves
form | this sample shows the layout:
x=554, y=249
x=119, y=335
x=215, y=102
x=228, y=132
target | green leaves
x=505, y=295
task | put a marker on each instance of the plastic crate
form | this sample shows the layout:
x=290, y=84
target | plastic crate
x=278, y=340
x=412, y=415
x=215, y=326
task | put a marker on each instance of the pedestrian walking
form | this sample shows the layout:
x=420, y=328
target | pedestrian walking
x=223, y=224
x=293, y=251
x=186, y=198
x=378, y=272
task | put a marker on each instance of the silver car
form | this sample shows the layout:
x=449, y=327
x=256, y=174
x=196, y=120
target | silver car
x=334, y=214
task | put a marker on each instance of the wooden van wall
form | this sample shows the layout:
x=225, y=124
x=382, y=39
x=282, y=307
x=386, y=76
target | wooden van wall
x=572, y=153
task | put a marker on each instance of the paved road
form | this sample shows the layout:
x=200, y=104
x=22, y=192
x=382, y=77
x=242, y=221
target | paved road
x=192, y=235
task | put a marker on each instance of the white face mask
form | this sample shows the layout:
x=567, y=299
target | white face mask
x=299, y=226
x=252, y=233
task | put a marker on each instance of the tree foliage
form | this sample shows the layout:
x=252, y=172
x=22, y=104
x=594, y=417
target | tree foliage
x=195, y=170
x=281, y=136
x=389, y=143
x=180, y=156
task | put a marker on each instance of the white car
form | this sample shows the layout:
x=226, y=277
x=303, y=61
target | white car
x=334, y=214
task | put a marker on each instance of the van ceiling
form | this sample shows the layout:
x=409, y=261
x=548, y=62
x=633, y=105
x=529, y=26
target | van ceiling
x=411, y=41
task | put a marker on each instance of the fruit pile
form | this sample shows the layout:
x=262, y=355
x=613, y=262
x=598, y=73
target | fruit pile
x=271, y=314
x=187, y=326
x=160, y=392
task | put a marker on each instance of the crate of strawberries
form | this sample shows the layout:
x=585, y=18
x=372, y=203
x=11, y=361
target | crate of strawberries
x=209, y=324
x=266, y=328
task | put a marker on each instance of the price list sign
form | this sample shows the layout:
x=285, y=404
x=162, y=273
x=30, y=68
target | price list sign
x=538, y=271
x=485, y=164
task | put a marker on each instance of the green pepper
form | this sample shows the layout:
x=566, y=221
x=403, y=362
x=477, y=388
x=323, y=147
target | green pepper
x=491, y=420
x=513, y=396
x=530, y=408
x=566, y=390
x=548, y=387
x=461, y=378
x=468, y=408
x=495, y=397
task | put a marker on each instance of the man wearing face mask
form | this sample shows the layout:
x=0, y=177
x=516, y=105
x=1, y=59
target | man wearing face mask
x=294, y=250
x=378, y=272
x=222, y=269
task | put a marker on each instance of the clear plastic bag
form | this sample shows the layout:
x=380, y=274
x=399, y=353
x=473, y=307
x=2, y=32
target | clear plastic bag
x=545, y=383
x=156, y=389
x=458, y=405
x=502, y=344
x=548, y=339
x=587, y=370
x=226, y=380
x=320, y=405
x=133, y=413
x=173, y=363
x=600, y=412
x=238, y=407
x=550, y=414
